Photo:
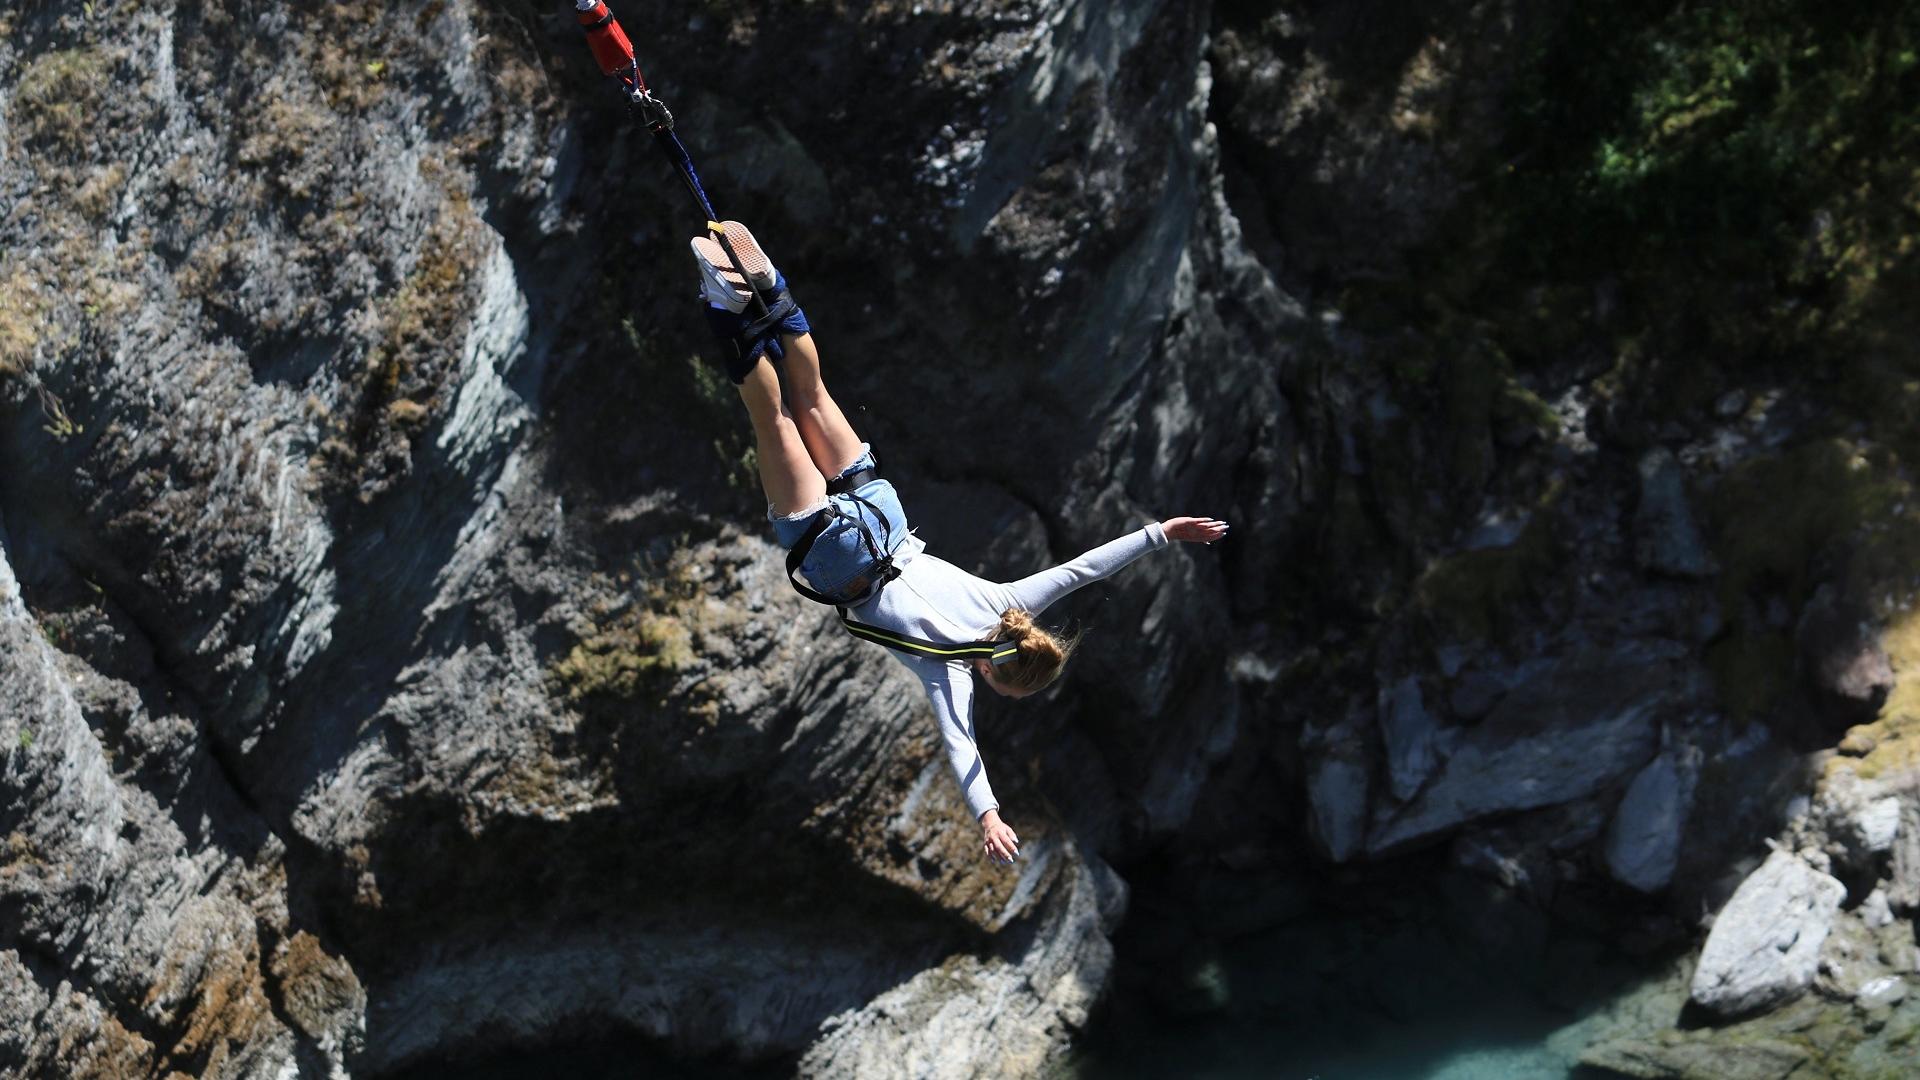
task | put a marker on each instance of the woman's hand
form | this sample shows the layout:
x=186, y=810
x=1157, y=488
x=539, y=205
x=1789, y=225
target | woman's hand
x=1194, y=530
x=1001, y=842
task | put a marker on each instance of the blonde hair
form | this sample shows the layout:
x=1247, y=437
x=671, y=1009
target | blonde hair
x=1042, y=655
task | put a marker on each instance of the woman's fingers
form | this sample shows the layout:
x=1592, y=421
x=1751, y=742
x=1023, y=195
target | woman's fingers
x=1003, y=848
x=1195, y=529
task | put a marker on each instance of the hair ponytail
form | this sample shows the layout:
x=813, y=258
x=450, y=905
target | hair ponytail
x=1042, y=655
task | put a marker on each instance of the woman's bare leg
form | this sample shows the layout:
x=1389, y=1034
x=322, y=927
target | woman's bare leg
x=787, y=474
x=829, y=439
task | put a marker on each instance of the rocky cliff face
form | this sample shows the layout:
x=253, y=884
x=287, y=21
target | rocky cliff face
x=395, y=668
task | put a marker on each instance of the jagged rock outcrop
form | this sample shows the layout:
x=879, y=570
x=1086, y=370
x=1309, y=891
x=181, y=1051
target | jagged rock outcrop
x=395, y=667
x=1578, y=726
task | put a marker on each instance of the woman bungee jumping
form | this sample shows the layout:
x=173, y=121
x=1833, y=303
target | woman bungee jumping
x=845, y=530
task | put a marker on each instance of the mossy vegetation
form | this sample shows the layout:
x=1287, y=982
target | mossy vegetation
x=651, y=664
x=354, y=59
x=1483, y=396
x=1692, y=198
x=1486, y=594
x=1889, y=747
x=58, y=100
x=20, y=852
x=369, y=445
x=282, y=136
x=641, y=636
x=1744, y=168
x=20, y=314
x=1698, y=196
x=1783, y=522
x=629, y=654
x=1773, y=515
x=636, y=681
x=713, y=404
x=1831, y=1037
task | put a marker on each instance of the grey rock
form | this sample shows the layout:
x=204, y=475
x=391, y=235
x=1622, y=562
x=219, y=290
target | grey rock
x=1509, y=870
x=1496, y=530
x=1699, y=1059
x=1849, y=958
x=1666, y=538
x=1451, y=659
x=1875, y=911
x=1878, y=824
x=1339, y=782
x=910, y=1030
x=1571, y=729
x=403, y=678
x=1410, y=735
x=1643, y=840
x=1860, y=825
x=150, y=897
x=1337, y=794
x=1475, y=694
x=1764, y=949
x=1903, y=885
x=1882, y=993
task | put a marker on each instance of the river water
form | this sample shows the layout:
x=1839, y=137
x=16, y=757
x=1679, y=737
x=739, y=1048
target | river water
x=1451, y=981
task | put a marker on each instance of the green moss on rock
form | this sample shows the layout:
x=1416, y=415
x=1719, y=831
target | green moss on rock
x=1752, y=670
x=57, y=102
x=1784, y=523
x=1482, y=595
x=1771, y=516
x=20, y=314
x=629, y=656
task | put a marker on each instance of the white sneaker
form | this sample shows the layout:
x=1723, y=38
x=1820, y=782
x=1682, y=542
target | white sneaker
x=720, y=284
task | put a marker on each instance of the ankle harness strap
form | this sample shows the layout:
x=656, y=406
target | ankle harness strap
x=852, y=481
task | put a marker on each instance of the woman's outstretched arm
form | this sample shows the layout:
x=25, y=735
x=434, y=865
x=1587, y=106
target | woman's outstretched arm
x=950, y=690
x=1039, y=591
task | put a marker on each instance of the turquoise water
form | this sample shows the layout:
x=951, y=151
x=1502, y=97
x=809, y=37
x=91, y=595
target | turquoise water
x=1453, y=982
x=1501, y=1041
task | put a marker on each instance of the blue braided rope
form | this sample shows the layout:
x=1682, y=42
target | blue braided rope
x=675, y=151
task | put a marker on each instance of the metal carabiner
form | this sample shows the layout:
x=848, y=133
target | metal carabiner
x=658, y=116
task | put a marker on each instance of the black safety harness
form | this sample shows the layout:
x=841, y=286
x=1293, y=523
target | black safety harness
x=882, y=571
x=614, y=52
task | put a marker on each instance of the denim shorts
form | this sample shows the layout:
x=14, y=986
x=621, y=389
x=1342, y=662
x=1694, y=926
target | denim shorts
x=840, y=557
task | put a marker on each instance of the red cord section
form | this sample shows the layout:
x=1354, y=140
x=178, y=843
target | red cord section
x=609, y=43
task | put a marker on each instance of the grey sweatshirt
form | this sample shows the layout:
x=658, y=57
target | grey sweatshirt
x=936, y=600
